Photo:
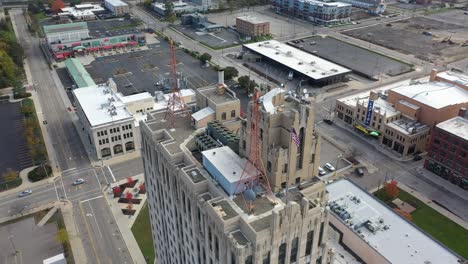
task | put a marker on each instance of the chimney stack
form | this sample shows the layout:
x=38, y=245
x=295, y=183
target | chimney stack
x=463, y=112
x=433, y=75
x=220, y=77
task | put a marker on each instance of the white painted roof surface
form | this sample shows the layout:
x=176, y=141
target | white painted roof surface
x=434, y=94
x=134, y=97
x=203, y=113
x=267, y=100
x=58, y=259
x=457, y=126
x=301, y=61
x=457, y=77
x=402, y=243
x=86, y=12
x=227, y=162
x=96, y=104
x=320, y=3
x=116, y=2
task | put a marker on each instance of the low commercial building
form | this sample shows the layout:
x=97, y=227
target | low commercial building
x=377, y=234
x=314, y=69
x=252, y=26
x=320, y=12
x=402, y=115
x=65, y=40
x=374, y=7
x=447, y=156
x=200, y=22
x=82, y=12
x=117, y=7
x=179, y=8
x=78, y=73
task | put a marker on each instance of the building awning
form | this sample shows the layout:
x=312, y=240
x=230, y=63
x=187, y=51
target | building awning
x=60, y=46
x=93, y=49
x=133, y=43
x=59, y=56
x=107, y=47
x=76, y=44
x=78, y=48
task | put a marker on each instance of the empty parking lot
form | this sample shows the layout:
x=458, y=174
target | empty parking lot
x=14, y=153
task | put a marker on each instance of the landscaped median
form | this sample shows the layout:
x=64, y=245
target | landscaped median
x=141, y=229
x=33, y=133
x=432, y=222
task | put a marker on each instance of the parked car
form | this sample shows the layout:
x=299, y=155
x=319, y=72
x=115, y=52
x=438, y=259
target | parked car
x=417, y=157
x=328, y=121
x=321, y=171
x=329, y=166
x=25, y=193
x=78, y=181
x=359, y=172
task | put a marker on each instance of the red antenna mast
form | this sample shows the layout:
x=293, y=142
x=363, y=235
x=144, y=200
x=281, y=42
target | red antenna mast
x=175, y=104
x=254, y=167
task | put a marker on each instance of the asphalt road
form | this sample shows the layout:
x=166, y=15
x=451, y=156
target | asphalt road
x=92, y=215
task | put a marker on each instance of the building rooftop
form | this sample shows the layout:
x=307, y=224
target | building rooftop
x=310, y=65
x=456, y=77
x=212, y=94
x=457, y=126
x=231, y=170
x=390, y=234
x=78, y=73
x=408, y=126
x=81, y=10
x=100, y=29
x=252, y=19
x=116, y=3
x=101, y=104
x=434, y=94
x=205, y=112
x=50, y=29
x=320, y=3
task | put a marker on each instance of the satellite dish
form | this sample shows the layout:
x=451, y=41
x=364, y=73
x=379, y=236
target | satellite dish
x=250, y=195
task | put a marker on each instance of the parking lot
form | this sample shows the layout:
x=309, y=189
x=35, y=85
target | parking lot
x=280, y=26
x=139, y=71
x=223, y=38
x=329, y=153
x=362, y=61
x=14, y=153
x=33, y=243
x=439, y=38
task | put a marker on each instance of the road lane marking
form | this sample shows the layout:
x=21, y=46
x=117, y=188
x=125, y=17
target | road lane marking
x=63, y=186
x=99, y=182
x=104, y=174
x=89, y=233
x=83, y=193
x=68, y=170
x=90, y=199
x=112, y=174
x=95, y=220
x=56, y=192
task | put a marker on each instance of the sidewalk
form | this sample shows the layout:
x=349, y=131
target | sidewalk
x=431, y=204
x=126, y=232
x=448, y=186
x=79, y=253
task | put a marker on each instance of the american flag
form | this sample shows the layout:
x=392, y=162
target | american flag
x=294, y=137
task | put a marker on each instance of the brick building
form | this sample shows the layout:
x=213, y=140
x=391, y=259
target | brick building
x=252, y=26
x=448, y=150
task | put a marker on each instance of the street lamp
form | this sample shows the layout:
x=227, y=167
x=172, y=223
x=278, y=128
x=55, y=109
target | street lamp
x=338, y=158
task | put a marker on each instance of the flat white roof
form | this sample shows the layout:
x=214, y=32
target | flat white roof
x=298, y=60
x=402, y=242
x=252, y=19
x=86, y=12
x=116, y=2
x=267, y=100
x=320, y=3
x=434, y=94
x=101, y=104
x=205, y=112
x=457, y=77
x=227, y=162
x=457, y=126
x=60, y=258
x=134, y=97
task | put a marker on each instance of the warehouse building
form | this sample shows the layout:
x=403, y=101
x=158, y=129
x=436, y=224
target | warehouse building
x=252, y=27
x=65, y=40
x=117, y=7
x=301, y=63
x=320, y=12
x=376, y=233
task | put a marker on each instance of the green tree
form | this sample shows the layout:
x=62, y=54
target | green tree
x=205, y=57
x=246, y=83
x=230, y=73
x=148, y=3
x=169, y=11
x=75, y=2
x=62, y=236
x=9, y=71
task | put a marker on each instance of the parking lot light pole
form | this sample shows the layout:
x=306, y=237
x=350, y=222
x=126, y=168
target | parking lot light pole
x=338, y=158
